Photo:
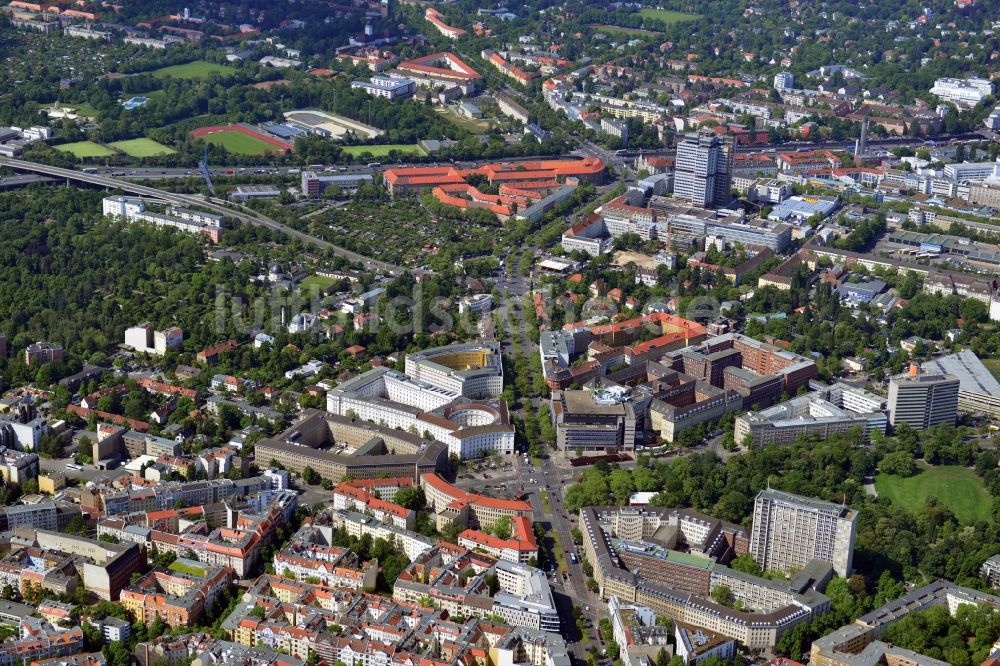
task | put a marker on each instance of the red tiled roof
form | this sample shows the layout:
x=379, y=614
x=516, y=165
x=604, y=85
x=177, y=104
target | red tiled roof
x=461, y=496
x=431, y=64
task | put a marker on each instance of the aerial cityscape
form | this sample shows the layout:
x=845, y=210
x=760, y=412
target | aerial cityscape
x=478, y=333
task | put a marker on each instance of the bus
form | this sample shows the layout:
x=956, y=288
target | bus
x=374, y=165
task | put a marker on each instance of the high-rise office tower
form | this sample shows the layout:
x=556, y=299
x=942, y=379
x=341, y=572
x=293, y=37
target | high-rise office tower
x=703, y=169
x=923, y=400
x=789, y=531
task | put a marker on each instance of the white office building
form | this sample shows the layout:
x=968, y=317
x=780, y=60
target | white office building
x=974, y=171
x=389, y=87
x=962, y=92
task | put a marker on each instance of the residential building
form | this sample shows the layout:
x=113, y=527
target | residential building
x=512, y=109
x=789, y=531
x=615, y=128
x=923, y=400
x=858, y=643
x=991, y=571
x=637, y=634
x=133, y=209
x=39, y=353
x=521, y=546
x=144, y=339
x=178, y=594
x=784, y=81
x=694, y=645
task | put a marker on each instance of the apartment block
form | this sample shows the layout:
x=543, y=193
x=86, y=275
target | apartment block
x=789, y=531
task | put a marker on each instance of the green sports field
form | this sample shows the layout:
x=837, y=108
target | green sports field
x=239, y=143
x=383, y=151
x=318, y=281
x=197, y=69
x=667, y=16
x=142, y=148
x=82, y=149
x=957, y=488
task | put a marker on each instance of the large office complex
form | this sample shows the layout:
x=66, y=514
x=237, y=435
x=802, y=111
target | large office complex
x=473, y=370
x=449, y=504
x=593, y=422
x=103, y=568
x=435, y=399
x=836, y=409
x=670, y=560
x=923, y=400
x=978, y=389
x=965, y=93
x=337, y=446
x=703, y=170
x=790, y=531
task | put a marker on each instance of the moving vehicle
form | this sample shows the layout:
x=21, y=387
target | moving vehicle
x=74, y=467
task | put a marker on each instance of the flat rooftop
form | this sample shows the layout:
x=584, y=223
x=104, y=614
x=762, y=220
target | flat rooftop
x=583, y=402
x=972, y=374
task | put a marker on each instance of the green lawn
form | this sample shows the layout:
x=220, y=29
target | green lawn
x=638, y=33
x=958, y=488
x=667, y=16
x=993, y=365
x=82, y=149
x=383, y=151
x=319, y=281
x=180, y=567
x=239, y=143
x=142, y=148
x=83, y=109
x=197, y=69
